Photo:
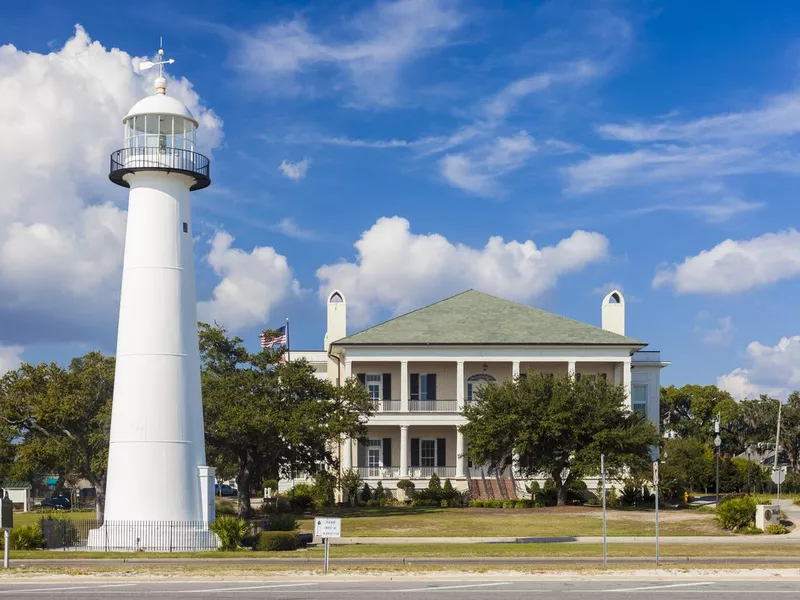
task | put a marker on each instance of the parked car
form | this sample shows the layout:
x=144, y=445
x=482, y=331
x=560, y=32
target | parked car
x=57, y=503
x=225, y=491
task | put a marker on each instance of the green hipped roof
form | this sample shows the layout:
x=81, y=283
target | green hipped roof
x=474, y=317
x=15, y=485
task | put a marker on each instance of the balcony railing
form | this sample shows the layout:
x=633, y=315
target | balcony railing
x=426, y=472
x=379, y=472
x=386, y=405
x=131, y=160
x=433, y=405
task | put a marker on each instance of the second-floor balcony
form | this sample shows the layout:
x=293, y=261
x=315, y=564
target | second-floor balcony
x=433, y=405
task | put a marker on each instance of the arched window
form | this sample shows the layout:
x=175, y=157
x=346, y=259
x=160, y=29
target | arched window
x=614, y=299
x=336, y=297
x=475, y=383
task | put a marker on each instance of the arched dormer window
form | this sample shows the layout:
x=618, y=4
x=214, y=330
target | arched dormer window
x=476, y=382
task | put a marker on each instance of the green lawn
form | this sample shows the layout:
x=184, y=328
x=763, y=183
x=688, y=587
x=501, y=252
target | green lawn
x=483, y=522
x=410, y=551
x=480, y=522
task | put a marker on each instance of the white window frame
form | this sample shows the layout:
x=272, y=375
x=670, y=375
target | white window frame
x=634, y=404
x=375, y=445
x=378, y=381
x=421, y=454
x=477, y=378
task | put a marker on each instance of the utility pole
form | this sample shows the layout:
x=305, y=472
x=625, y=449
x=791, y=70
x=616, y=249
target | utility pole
x=717, y=443
x=603, y=476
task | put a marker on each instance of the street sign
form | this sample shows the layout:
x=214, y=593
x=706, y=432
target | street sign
x=717, y=441
x=328, y=527
x=779, y=475
x=655, y=473
x=7, y=513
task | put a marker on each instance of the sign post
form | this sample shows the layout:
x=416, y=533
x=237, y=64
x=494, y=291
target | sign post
x=779, y=476
x=327, y=528
x=603, y=477
x=6, y=523
x=655, y=488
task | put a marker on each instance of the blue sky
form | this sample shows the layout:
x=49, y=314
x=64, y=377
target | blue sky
x=649, y=145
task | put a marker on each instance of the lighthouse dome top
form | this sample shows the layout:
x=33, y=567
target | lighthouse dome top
x=160, y=104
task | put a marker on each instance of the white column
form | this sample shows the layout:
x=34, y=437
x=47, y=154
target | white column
x=460, y=449
x=515, y=369
x=404, y=451
x=348, y=369
x=571, y=367
x=460, y=385
x=207, y=480
x=347, y=454
x=626, y=380
x=404, y=387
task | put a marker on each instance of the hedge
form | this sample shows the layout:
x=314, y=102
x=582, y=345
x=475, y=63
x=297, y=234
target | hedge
x=274, y=541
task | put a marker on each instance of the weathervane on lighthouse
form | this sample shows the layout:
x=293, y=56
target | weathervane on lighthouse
x=157, y=470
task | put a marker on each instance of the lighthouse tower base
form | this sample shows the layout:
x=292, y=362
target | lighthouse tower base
x=152, y=536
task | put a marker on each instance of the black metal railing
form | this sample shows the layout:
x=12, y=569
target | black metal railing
x=127, y=536
x=130, y=160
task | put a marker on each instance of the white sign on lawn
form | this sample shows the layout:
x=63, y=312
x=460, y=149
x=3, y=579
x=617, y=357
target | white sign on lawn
x=327, y=527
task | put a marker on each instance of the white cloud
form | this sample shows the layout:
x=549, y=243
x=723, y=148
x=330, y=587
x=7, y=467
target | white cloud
x=295, y=171
x=709, y=147
x=370, y=49
x=252, y=284
x=736, y=266
x=288, y=227
x=714, y=332
x=398, y=270
x=10, y=358
x=772, y=370
x=478, y=171
x=61, y=235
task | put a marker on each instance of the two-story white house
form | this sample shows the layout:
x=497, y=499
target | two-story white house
x=422, y=367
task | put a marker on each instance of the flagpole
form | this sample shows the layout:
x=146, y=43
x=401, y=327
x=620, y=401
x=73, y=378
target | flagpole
x=288, y=347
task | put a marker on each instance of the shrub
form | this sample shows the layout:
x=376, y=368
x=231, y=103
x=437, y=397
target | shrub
x=373, y=502
x=435, y=483
x=635, y=493
x=25, y=537
x=59, y=530
x=777, y=529
x=366, y=493
x=380, y=493
x=408, y=488
x=230, y=531
x=283, y=522
x=271, y=485
x=225, y=508
x=424, y=502
x=448, y=491
x=324, y=489
x=302, y=496
x=508, y=504
x=276, y=541
x=735, y=514
x=349, y=482
x=522, y=504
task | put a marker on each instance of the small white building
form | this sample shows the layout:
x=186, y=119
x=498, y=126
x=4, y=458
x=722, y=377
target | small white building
x=421, y=368
x=19, y=492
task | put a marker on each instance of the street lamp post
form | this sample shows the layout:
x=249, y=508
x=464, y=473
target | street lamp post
x=717, y=443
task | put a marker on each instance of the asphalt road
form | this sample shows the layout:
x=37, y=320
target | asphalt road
x=469, y=590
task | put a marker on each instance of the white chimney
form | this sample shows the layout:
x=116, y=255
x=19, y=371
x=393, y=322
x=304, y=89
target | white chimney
x=614, y=312
x=337, y=318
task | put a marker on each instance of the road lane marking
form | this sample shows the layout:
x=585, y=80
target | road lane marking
x=653, y=587
x=64, y=589
x=453, y=587
x=238, y=589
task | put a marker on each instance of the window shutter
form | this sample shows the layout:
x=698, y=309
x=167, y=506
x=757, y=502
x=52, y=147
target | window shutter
x=415, y=386
x=432, y=386
x=441, y=452
x=577, y=376
x=523, y=375
x=604, y=376
x=387, y=452
x=387, y=386
x=362, y=454
x=414, y=452
x=362, y=377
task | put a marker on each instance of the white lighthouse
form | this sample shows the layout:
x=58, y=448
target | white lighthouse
x=157, y=473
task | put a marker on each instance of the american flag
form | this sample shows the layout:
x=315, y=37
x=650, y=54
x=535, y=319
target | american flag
x=279, y=340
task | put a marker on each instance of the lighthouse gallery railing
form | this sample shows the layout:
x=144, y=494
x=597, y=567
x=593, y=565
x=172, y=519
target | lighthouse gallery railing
x=128, y=160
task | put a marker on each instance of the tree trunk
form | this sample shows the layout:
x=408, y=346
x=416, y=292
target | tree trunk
x=59, y=485
x=243, y=483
